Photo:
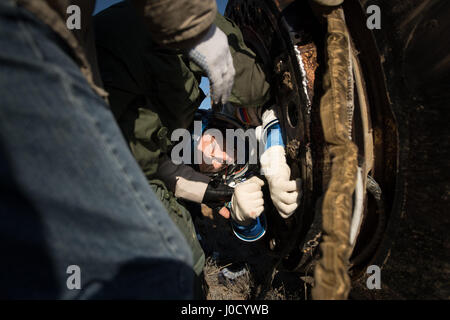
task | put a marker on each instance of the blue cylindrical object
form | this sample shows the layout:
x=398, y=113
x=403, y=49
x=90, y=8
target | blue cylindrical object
x=252, y=232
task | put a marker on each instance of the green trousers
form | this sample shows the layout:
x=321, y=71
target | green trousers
x=182, y=218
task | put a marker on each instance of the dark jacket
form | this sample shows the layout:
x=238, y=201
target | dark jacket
x=174, y=23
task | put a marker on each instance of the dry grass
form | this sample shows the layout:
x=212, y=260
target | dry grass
x=238, y=289
x=223, y=249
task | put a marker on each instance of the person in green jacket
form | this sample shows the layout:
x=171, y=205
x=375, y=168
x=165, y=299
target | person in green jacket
x=154, y=90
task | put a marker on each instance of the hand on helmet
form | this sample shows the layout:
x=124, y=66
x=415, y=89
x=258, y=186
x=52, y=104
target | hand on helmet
x=285, y=193
x=247, y=202
x=212, y=55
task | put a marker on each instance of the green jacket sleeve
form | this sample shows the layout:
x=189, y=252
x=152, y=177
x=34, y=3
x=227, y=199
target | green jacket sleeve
x=177, y=23
x=251, y=87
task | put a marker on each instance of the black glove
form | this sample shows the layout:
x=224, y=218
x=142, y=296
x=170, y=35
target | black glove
x=217, y=194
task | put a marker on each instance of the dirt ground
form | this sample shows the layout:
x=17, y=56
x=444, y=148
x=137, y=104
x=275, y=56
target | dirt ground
x=262, y=279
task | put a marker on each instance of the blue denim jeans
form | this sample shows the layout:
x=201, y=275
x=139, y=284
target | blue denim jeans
x=71, y=192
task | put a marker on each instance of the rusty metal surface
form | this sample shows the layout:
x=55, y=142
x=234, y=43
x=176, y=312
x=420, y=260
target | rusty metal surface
x=268, y=31
x=308, y=54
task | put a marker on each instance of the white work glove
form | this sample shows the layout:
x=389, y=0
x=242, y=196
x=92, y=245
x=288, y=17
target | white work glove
x=285, y=193
x=183, y=180
x=247, y=202
x=213, y=56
